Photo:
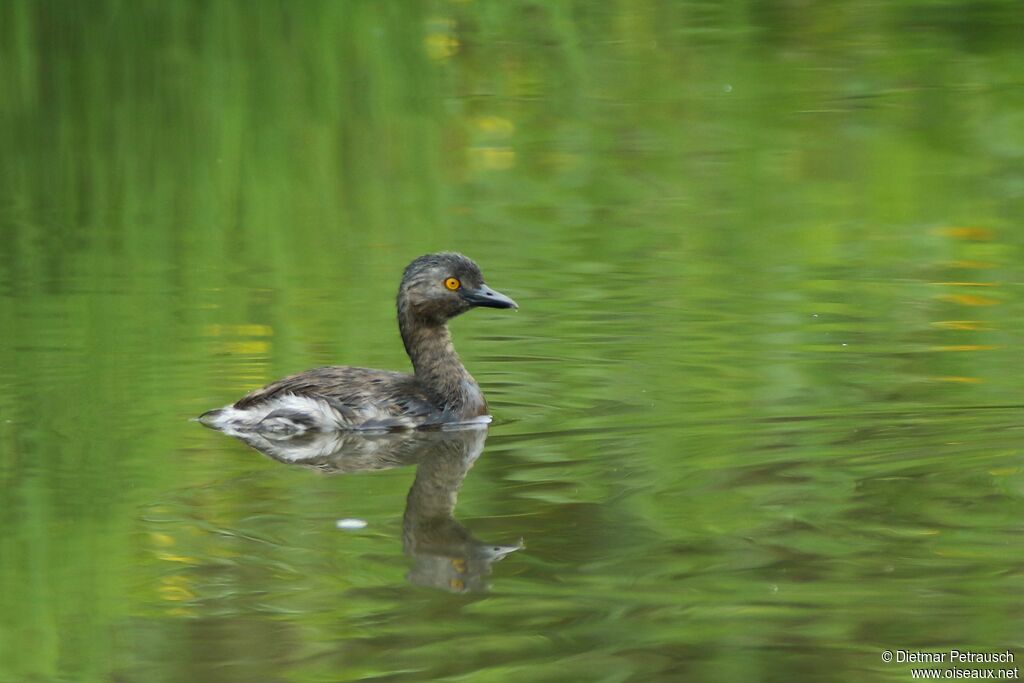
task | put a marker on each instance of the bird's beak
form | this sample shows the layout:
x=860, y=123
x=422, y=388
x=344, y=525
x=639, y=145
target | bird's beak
x=485, y=296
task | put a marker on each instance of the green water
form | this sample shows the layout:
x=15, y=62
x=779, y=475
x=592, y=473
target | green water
x=760, y=416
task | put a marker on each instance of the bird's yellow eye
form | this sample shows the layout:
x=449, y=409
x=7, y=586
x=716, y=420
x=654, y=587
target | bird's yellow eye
x=452, y=283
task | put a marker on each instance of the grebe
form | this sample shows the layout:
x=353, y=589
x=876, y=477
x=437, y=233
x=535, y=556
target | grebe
x=435, y=288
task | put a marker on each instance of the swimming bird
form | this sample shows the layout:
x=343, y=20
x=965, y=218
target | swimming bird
x=435, y=288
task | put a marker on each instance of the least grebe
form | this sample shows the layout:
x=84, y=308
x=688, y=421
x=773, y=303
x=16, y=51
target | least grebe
x=435, y=288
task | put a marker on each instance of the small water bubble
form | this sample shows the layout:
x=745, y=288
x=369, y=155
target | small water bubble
x=727, y=88
x=349, y=524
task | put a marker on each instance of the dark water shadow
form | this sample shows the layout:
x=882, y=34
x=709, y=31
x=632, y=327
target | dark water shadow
x=445, y=554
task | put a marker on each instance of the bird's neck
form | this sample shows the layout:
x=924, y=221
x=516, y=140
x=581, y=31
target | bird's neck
x=439, y=368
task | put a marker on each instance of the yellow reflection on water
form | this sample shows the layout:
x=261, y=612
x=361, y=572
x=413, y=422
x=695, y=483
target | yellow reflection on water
x=971, y=233
x=239, y=330
x=162, y=540
x=969, y=299
x=171, y=557
x=495, y=125
x=439, y=43
x=252, y=347
x=492, y=158
x=176, y=593
x=1004, y=471
x=960, y=325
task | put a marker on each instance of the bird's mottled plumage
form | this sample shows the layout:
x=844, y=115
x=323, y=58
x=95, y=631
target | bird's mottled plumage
x=441, y=391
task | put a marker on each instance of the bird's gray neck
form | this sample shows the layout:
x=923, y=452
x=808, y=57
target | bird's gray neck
x=439, y=368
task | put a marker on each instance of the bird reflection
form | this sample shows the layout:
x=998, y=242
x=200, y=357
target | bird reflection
x=445, y=553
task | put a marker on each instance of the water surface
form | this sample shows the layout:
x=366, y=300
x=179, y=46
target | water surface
x=759, y=417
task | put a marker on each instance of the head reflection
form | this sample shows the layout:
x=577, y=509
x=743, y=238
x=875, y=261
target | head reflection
x=445, y=554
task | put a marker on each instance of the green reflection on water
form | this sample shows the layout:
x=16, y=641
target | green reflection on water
x=759, y=415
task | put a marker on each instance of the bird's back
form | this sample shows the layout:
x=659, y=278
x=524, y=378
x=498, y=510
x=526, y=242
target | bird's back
x=332, y=397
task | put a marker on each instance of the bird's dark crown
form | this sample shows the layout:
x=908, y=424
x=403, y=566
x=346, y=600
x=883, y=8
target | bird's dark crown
x=443, y=264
